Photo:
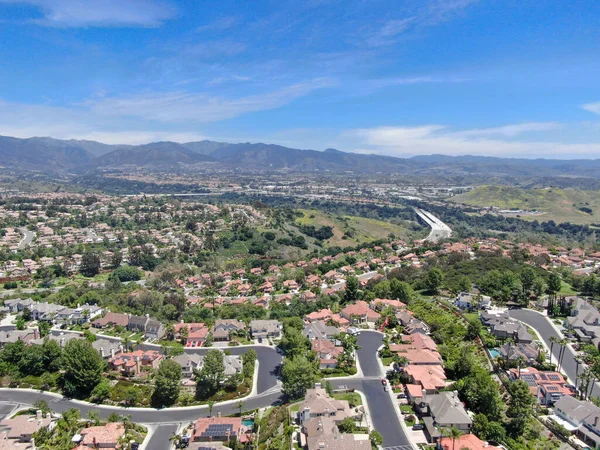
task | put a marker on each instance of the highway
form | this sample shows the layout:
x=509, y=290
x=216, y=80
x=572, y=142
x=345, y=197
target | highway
x=545, y=330
x=439, y=230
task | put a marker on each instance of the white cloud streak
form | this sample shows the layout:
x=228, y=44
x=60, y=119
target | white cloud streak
x=592, y=107
x=438, y=139
x=99, y=13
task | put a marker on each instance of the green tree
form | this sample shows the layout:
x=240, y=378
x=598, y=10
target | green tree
x=350, y=290
x=90, y=264
x=101, y=391
x=211, y=376
x=401, y=290
x=210, y=404
x=297, y=375
x=453, y=433
x=376, y=439
x=347, y=426
x=527, y=277
x=474, y=329
x=554, y=284
x=167, y=383
x=434, y=280
x=294, y=343
x=83, y=367
x=126, y=273
x=44, y=328
x=520, y=406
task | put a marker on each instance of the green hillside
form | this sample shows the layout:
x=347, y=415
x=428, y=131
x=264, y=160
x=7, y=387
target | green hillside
x=560, y=205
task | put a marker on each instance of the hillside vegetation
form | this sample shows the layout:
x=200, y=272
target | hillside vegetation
x=351, y=230
x=560, y=205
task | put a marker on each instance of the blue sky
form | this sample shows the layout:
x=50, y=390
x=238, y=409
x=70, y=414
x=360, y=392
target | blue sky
x=402, y=77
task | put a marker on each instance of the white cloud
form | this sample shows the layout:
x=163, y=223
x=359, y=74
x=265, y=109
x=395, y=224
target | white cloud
x=228, y=79
x=592, y=107
x=512, y=130
x=438, y=139
x=197, y=107
x=221, y=24
x=98, y=13
x=141, y=118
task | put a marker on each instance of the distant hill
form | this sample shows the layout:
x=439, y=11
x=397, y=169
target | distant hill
x=156, y=154
x=60, y=156
x=560, y=205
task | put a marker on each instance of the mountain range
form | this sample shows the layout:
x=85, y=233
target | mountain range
x=48, y=155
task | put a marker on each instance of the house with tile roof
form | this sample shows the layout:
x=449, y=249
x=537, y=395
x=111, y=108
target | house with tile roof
x=360, y=312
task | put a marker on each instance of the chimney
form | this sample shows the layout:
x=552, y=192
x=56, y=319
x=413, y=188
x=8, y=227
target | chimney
x=485, y=444
x=38, y=414
x=137, y=364
x=219, y=414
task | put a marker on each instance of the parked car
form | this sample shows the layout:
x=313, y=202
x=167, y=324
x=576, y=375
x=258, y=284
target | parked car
x=418, y=426
x=385, y=388
x=401, y=396
x=383, y=381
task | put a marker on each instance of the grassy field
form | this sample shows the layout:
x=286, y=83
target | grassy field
x=350, y=230
x=560, y=205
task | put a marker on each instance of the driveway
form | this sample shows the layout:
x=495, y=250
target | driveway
x=545, y=330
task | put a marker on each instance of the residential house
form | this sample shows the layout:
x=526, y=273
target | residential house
x=464, y=442
x=131, y=363
x=327, y=352
x=322, y=433
x=578, y=417
x=209, y=429
x=137, y=324
x=188, y=362
x=107, y=348
x=21, y=428
x=504, y=327
x=112, y=319
x=429, y=378
x=514, y=352
x=100, y=437
x=548, y=387
x=319, y=330
x=154, y=329
x=318, y=403
x=10, y=337
x=443, y=410
x=263, y=329
x=17, y=305
x=470, y=301
x=196, y=333
x=45, y=311
x=223, y=327
x=585, y=321
x=360, y=312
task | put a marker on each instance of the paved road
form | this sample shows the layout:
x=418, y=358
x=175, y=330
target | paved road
x=545, y=330
x=381, y=406
x=160, y=439
x=439, y=230
x=27, y=238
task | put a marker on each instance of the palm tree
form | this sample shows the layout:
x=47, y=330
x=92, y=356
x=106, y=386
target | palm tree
x=563, y=345
x=520, y=363
x=240, y=405
x=210, y=405
x=453, y=433
x=577, y=362
x=176, y=440
x=553, y=340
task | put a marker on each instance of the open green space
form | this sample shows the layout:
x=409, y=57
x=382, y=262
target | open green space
x=560, y=205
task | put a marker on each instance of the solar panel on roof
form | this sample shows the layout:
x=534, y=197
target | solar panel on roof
x=543, y=376
x=553, y=377
x=552, y=388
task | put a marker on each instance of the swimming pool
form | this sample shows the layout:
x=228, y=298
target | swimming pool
x=494, y=353
x=248, y=422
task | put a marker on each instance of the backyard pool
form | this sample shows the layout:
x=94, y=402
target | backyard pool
x=248, y=422
x=494, y=353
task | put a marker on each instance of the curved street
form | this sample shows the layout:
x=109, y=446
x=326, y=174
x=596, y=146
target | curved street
x=381, y=404
x=541, y=324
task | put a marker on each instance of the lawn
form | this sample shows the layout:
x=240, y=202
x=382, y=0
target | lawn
x=387, y=360
x=352, y=397
x=567, y=289
x=407, y=409
x=471, y=316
